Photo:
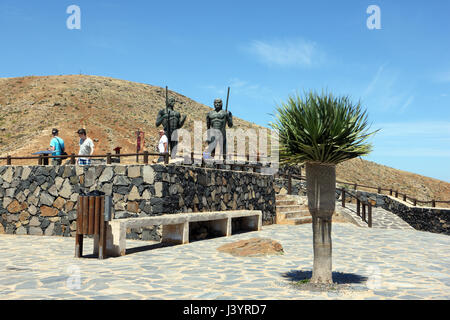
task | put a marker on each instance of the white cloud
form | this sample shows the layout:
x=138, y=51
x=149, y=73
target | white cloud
x=387, y=91
x=423, y=129
x=241, y=87
x=286, y=53
x=442, y=76
x=429, y=139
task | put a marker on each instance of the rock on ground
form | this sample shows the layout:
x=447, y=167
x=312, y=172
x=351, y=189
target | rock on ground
x=252, y=247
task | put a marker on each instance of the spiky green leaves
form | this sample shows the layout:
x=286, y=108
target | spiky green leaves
x=321, y=128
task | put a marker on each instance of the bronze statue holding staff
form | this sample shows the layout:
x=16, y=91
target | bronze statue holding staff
x=218, y=119
x=171, y=120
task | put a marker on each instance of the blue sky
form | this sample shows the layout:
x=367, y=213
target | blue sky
x=264, y=50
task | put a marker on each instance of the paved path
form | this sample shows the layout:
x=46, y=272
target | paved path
x=381, y=218
x=376, y=264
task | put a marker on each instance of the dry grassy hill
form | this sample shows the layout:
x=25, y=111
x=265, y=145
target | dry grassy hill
x=112, y=110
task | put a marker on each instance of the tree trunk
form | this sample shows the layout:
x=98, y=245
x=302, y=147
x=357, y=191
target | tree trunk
x=321, y=192
x=322, y=270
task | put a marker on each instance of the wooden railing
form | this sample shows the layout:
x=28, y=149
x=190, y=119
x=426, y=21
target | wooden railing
x=391, y=191
x=198, y=158
x=44, y=159
x=359, y=203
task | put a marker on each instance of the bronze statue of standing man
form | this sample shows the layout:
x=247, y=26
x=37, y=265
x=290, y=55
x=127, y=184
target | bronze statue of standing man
x=218, y=119
x=171, y=121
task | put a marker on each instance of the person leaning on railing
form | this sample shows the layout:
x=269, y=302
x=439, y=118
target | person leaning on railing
x=86, y=148
x=57, y=146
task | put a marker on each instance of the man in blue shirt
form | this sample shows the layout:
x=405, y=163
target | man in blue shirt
x=56, y=145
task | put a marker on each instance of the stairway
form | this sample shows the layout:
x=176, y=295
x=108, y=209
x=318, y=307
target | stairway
x=291, y=210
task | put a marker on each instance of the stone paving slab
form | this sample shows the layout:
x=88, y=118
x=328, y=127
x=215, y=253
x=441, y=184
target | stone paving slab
x=394, y=263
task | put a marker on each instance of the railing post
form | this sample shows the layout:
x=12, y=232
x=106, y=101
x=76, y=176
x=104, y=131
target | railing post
x=166, y=158
x=146, y=157
x=433, y=203
x=415, y=202
x=390, y=192
x=40, y=160
x=396, y=193
x=72, y=159
x=343, y=197
x=356, y=186
x=379, y=190
x=358, y=207
x=364, y=211
x=289, y=183
x=404, y=197
x=108, y=158
x=369, y=222
x=8, y=160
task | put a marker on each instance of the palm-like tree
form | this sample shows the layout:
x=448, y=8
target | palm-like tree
x=321, y=131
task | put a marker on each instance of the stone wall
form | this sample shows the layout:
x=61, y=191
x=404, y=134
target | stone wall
x=298, y=186
x=41, y=200
x=436, y=220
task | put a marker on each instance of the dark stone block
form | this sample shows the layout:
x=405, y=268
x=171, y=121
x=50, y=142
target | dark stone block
x=44, y=223
x=137, y=181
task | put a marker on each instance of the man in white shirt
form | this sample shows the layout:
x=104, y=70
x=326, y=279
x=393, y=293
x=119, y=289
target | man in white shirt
x=163, y=145
x=86, y=148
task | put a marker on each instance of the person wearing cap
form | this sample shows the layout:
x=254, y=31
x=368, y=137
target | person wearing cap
x=86, y=148
x=57, y=146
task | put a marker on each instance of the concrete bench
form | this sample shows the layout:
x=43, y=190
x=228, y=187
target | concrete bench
x=176, y=226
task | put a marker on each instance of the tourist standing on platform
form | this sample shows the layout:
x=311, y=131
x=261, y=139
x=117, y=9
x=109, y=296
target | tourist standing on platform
x=163, y=146
x=86, y=148
x=57, y=146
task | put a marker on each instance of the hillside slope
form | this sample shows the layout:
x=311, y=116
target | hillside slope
x=112, y=110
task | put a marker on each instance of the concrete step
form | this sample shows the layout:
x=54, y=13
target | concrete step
x=296, y=221
x=290, y=208
x=297, y=214
x=286, y=197
x=285, y=202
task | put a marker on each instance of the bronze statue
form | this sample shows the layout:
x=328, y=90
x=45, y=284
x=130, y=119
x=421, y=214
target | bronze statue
x=218, y=119
x=176, y=121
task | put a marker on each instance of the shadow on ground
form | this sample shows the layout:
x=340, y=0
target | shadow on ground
x=338, y=277
x=148, y=247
